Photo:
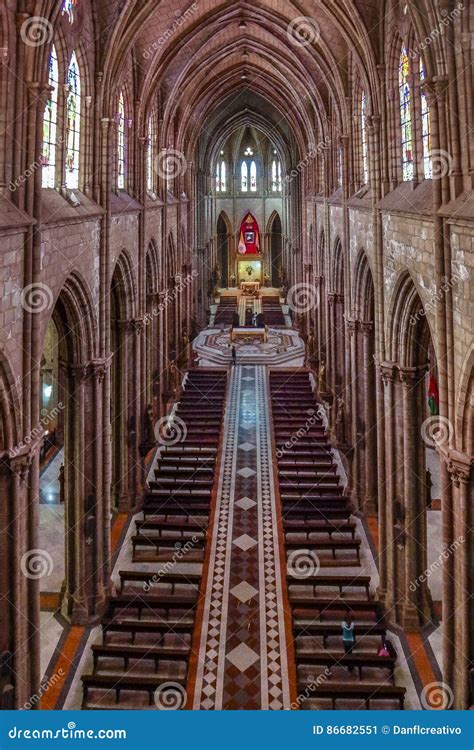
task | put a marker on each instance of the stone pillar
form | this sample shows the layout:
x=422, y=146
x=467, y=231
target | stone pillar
x=387, y=556
x=460, y=470
x=410, y=612
x=86, y=507
x=370, y=441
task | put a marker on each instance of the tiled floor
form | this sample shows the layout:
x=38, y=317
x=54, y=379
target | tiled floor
x=243, y=661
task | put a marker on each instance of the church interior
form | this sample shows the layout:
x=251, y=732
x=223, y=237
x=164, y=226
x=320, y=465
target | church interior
x=236, y=354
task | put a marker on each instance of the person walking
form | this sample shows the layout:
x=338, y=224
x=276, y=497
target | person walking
x=348, y=637
x=234, y=355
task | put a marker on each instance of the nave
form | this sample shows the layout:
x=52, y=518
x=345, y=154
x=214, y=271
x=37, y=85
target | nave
x=232, y=582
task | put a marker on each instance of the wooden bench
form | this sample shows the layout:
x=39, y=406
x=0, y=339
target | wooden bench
x=359, y=661
x=360, y=691
x=331, y=545
x=143, y=653
x=146, y=627
x=338, y=582
x=305, y=607
x=117, y=683
x=146, y=577
x=327, y=630
x=319, y=527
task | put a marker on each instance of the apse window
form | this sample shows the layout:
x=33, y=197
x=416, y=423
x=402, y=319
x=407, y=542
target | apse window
x=121, y=144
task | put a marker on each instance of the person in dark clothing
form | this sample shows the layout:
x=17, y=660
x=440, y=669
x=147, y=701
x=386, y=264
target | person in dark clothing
x=234, y=355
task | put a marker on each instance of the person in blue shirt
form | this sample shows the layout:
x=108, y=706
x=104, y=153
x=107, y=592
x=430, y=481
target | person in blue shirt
x=348, y=637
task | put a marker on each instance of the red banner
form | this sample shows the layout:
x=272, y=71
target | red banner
x=249, y=241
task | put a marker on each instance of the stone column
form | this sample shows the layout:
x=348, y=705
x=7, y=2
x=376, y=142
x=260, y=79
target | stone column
x=387, y=557
x=460, y=470
x=356, y=486
x=370, y=439
x=410, y=609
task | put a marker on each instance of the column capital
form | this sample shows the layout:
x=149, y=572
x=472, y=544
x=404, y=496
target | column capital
x=387, y=371
x=459, y=466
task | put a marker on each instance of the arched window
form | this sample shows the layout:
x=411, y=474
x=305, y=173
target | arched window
x=244, y=177
x=68, y=8
x=73, y=131
x=405, y=116
x=363, y=139
x=253, y=177
x=150, y=153
x=218, y=178
x=121, y=143
x=339, y=166
x=276, y=176
x=425, y=128
x=50, y=123
x=223, y=177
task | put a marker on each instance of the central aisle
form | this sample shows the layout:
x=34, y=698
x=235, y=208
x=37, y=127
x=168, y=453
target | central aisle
x=244, y=642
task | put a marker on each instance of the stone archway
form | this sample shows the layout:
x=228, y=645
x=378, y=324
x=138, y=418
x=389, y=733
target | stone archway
x=409, y=429
x=224, y=233
x=364, y=419
x=125, y=330
x=81, y=380
x=275, y=235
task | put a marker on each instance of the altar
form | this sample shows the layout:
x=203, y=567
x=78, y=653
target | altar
x=250, y=287
x=252, y=334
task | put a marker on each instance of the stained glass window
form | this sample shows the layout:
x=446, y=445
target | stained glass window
x=405, y=116
x=150, y=152
x=276, y=176
x=253, y=177
x=68, y=8
x=425, y=129
x=73, y=130
x=50, y=121
x=363, y=138
x=121, y=143
x=244, y=177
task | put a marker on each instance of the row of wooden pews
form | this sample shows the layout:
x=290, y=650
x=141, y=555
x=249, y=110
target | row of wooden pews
x=142, y=661
x=323, y=554
x=226, y=310
x=272, y=311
